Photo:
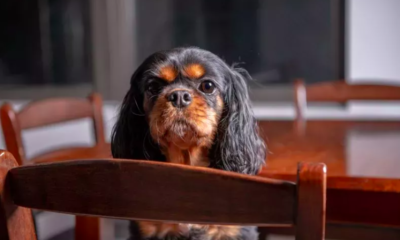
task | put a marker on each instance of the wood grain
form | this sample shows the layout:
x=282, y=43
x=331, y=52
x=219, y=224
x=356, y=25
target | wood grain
x=300, y=100
x=359, y=204
x=351, y=199
x=311, y=201
x=87, y=228
x=341, y=91
x=55, y=110
x=45, y=112
x=12, y=132
x=16, y=222
x=154, y=191
x=97, y=109
x=51, y=111
x=324, y=141
x=343, y=232
x=72, y=153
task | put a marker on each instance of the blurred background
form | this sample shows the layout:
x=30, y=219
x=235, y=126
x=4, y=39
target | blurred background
x=69, y=48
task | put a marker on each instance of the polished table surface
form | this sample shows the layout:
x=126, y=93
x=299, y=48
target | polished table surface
x=362, y=158
x=72, y=153
x=363, y=164
x=349, y=149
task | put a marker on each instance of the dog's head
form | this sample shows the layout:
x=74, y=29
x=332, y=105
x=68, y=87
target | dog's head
x=187, y=105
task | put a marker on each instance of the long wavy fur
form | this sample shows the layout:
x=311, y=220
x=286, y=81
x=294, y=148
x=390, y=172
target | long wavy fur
x=131, y=138
x=237, y=146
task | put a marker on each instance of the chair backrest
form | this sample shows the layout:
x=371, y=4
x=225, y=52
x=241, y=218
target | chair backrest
x=341, y=92
x=45, y=112
x=155, y=191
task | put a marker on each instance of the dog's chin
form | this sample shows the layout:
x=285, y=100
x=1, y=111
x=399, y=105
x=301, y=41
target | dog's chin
x=182, y=135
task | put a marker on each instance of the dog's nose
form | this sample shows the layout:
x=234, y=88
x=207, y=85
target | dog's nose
x=180, y=98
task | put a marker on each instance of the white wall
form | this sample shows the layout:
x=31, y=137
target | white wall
x=373, y=40
x=373, y=49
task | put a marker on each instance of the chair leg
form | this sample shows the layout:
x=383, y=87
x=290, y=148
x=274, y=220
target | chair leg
x=262, y=233
x=87, y=228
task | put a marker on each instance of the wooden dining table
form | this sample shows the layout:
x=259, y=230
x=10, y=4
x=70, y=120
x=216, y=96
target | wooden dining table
x=72, y=153
x=362, y=158
x=363, y=165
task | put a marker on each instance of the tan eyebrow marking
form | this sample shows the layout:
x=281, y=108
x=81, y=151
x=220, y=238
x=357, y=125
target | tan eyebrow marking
x=168, y=73
x=194, y=70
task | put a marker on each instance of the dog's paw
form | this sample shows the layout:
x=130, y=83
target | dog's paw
x=160, y=229
x=217, y=232
x=210, y=232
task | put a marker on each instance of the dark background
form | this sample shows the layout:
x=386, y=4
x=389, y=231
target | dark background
x=44, y=42
x=276, y=40
x=48, y=41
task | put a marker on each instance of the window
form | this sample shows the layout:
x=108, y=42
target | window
x=276, y=41
x=79, y=45
x=45, y=48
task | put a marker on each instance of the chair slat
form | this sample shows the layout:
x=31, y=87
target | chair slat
x=132, y=189
x=340, y=91
x=37, y=114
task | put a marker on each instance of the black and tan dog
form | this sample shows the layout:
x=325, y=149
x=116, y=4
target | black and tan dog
x=186, y=105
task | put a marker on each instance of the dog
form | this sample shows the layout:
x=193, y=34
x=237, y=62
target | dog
x=186, y=105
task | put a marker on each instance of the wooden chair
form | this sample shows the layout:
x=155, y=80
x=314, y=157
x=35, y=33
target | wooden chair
x=341, y=92
x=157, y=191
x=51, y=111
x=46, y=112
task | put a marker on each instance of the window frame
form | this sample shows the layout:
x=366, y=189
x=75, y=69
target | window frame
x=113, y=58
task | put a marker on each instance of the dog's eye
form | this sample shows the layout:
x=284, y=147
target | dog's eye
x=207, y=87
x=153, y=88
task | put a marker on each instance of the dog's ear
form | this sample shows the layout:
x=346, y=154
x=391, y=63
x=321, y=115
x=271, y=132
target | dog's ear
x=130, y=137
x=238, y=146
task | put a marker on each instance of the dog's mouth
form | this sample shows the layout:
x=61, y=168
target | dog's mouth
x=185, y=128
x=180, y=127
x=181, y=133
